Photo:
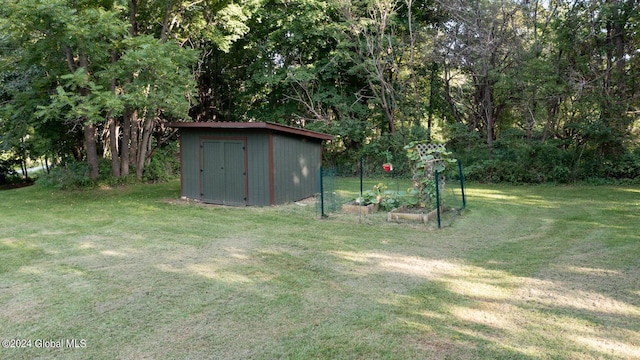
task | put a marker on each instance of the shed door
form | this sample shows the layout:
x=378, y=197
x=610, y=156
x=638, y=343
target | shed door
x=223, y=173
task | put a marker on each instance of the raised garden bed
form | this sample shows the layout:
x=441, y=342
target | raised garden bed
x=355, y=208
x=405, y=213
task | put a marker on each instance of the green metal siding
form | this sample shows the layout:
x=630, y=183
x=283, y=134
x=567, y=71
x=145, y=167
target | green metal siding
x=258, y=169
x=212, y=179
x=293, y=165
x=190, y=164
x=223, y=173
x=257, y=164
x=296, y=167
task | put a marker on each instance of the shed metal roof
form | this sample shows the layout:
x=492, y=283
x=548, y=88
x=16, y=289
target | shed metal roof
x=252, y=125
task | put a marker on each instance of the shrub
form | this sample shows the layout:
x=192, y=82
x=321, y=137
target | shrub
x=7, y=173
x=69, y=176
x=164, y=165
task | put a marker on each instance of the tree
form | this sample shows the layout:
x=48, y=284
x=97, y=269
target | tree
x=53, y=35
x=557, y=75
x=555, y=79
x=597, y=46
x=100, y=70
x=480, y=41
x=157, y=83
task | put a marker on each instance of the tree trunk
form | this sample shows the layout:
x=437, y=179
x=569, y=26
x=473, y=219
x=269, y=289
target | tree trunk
x=487, y=106
x=144, y=144
x=113, y=129
x=91, y=150
x=133, y=12
x=414, y=76
x=89, y=130
x=432, y=97
x=385, y=96
x=113, y=147
x=23, y=167
x=128, y=147
x=165, y=23
x=554, y=102
x=134, y=141
x=446, y=81
x=124, y=146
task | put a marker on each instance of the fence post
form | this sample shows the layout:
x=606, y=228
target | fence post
x=322, y=214
x=438, y=198
x=361, y=193
x=461, y=175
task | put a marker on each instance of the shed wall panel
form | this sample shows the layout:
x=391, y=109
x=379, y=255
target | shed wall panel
x=190, y=164
x=258, y=169
x=296, y=166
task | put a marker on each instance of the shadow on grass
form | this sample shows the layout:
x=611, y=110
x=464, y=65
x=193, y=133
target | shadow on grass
x=522, y=275
x=480, y=313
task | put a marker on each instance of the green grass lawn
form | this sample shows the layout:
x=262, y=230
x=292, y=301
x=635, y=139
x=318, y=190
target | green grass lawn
x=529, y=272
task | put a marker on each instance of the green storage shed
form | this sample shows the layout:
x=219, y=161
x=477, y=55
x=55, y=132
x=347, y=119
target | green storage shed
x=251, y=163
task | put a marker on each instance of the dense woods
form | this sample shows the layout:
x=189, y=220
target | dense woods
x=519, y=90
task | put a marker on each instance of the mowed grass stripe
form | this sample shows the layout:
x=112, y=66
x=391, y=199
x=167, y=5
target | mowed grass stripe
x=531, y=272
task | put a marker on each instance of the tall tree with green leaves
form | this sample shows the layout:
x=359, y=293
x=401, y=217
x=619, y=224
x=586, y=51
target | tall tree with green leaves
x=100, y=70
x=69, y=42
x=478, y=46
x=597, y=44
x=157, y=84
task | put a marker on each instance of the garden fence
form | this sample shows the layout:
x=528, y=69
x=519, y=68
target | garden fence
x=372, y=196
